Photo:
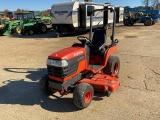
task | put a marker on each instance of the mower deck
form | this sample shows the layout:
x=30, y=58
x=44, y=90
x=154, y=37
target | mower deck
x=102, y=82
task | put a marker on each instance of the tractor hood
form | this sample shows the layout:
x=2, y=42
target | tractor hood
x=14, y=21
x=68, y=53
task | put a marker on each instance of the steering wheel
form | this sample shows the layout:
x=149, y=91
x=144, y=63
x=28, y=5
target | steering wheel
x=84, y=39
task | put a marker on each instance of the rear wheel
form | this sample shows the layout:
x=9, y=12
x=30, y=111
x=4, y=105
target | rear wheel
x=83, y=95
x=113, y=66
x=30, y=32
x=147, y=22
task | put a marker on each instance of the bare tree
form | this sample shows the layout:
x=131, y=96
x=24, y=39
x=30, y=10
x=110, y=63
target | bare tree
x=146, y=3
x=6, y=12
x=154, y=3
x=158, y=6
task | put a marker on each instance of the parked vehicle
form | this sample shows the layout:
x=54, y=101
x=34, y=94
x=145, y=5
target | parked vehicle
x=74, y=16
x=132, y=17
x=45, y=19
x=137, y=15
x=84, y=67
x=4, y=19
x=25, y=23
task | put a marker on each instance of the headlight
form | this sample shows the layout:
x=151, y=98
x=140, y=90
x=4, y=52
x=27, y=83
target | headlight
x=57, y=63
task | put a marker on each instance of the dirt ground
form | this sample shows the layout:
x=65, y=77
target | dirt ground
x=23, y=62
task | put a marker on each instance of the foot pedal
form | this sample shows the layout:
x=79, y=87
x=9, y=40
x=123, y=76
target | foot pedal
x=89, y=75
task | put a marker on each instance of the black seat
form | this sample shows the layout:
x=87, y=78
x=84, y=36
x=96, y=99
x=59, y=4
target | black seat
x=98, y=40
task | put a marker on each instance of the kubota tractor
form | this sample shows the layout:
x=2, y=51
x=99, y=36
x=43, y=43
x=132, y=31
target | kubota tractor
x=84, y=67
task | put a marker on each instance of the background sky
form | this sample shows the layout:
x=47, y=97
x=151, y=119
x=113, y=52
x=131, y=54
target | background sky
x=46, y=4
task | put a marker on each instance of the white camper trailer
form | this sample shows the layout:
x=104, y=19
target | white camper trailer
x=75, y=16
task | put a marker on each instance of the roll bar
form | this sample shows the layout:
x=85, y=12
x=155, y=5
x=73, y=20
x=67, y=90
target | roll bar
x=113, y=41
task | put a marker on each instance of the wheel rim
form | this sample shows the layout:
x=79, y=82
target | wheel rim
x=88, y=96
x=19, y=30
x=31, y=32
x=147, y=22
x=116, y=66
x=126, y=22
x=43, y=29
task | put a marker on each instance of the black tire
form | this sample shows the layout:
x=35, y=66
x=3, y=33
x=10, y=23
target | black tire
x=31, y=32
x=147, y=22
x=126, y=22
x=83, y=95
x=42, y=28
x=113, y=66
x=43, y=82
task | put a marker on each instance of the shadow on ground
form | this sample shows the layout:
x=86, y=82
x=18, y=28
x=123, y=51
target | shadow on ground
x=19, y=91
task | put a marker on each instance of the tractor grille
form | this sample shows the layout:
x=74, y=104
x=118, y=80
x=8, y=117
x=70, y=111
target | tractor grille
x=63, y=72
x=58, y=71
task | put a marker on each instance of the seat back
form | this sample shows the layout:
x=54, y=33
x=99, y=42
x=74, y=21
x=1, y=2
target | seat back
x=99, y=37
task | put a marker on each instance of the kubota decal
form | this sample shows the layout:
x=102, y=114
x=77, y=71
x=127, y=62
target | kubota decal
x=78, y=53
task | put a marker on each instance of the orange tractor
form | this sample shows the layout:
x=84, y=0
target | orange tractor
x=84, y=67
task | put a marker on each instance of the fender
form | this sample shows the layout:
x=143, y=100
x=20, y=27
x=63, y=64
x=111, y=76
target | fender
x=110, y=51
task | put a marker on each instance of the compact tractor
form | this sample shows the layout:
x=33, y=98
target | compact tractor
x=30, y=24
x=84, y=67
x=24, y=23
x=4, y=19
x=132, y=17
x=45, y=19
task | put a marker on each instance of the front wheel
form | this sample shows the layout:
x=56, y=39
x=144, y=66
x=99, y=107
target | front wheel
x=19, y=29
x=113, y=66
x=126, y=22
x=43, y=29
x=43, y=82
x=83, y=95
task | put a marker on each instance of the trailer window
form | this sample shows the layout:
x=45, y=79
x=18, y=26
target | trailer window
x=90, y=9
